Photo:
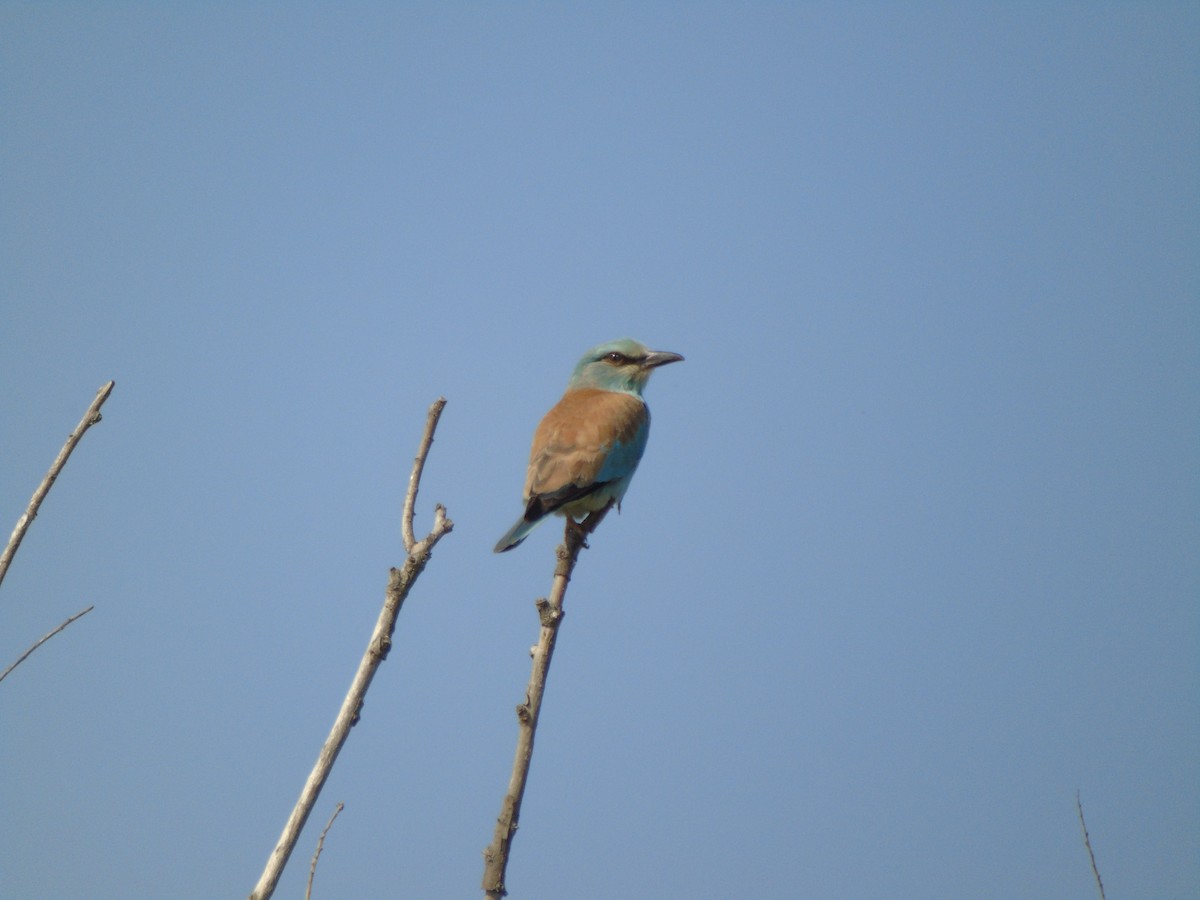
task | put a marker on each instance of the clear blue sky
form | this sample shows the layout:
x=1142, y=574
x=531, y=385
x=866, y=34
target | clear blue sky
x=914, y=552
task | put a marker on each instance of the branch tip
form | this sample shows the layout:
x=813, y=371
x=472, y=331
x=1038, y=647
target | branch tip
x=1087, y=842
x=414, y=479
x=90, y=418
x=312, y=869
x=45, y=637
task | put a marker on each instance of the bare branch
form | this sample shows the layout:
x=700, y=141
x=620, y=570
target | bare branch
x=312, y=869
x=1087, y=842
x=400, y=582
x=550, y=611
x=414, y=480
x=90, y=418
x=45, y=637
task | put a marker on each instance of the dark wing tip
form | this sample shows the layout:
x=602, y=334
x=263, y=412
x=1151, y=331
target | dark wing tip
x=542, y=505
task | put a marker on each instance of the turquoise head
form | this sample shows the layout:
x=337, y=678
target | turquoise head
x=622, y=366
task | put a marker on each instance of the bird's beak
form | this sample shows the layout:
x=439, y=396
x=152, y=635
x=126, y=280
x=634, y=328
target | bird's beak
x=656, y=358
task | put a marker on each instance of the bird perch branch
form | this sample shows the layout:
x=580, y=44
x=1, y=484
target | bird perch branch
x=550, y=611
x=90, y=418
x=400, y=582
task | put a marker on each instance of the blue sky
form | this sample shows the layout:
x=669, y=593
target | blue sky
x=912, y=555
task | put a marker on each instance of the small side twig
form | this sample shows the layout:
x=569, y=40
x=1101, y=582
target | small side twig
x=400, y=582
x=312, y=868
x=90, y=418
x=1087, y=842
x=550, y=611
x=414, y=478
x=45, y=637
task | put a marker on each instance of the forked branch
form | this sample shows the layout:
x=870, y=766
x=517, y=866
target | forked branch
x=400, y=582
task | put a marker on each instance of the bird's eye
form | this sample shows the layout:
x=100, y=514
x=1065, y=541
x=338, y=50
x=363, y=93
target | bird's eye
x=616, y=359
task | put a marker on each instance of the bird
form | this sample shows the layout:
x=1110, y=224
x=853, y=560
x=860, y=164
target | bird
x=588, y=446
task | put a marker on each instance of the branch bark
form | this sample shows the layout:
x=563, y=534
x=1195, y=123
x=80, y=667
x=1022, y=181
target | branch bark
x=550, y=611
x=45, y=637
x=90, y=418
x=400, y=582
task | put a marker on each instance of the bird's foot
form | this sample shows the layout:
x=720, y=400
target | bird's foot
x=577, y=532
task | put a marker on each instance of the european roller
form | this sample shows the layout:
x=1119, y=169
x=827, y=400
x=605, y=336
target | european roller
x=588, y=446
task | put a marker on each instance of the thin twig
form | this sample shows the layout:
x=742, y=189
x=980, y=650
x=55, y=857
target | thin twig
x=550, y=611
x=45, y=637
x=1087, y=842
x=400, y=582
x=414, y=480
x=90, y=418
x=312, y=868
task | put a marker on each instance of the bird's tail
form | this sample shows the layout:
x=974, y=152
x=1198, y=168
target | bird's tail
x=516, y=534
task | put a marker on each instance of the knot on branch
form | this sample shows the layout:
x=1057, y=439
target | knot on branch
x=548, y=613
x=380, y=648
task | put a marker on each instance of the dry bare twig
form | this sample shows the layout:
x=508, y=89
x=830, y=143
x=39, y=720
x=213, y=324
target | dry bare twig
x=400, y=582
x=550, y=611
x=90, y=418
x=312, y=868
x=45, y=637
x=1087, y=842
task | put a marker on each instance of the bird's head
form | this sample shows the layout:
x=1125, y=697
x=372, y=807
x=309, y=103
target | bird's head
x=623, y=365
